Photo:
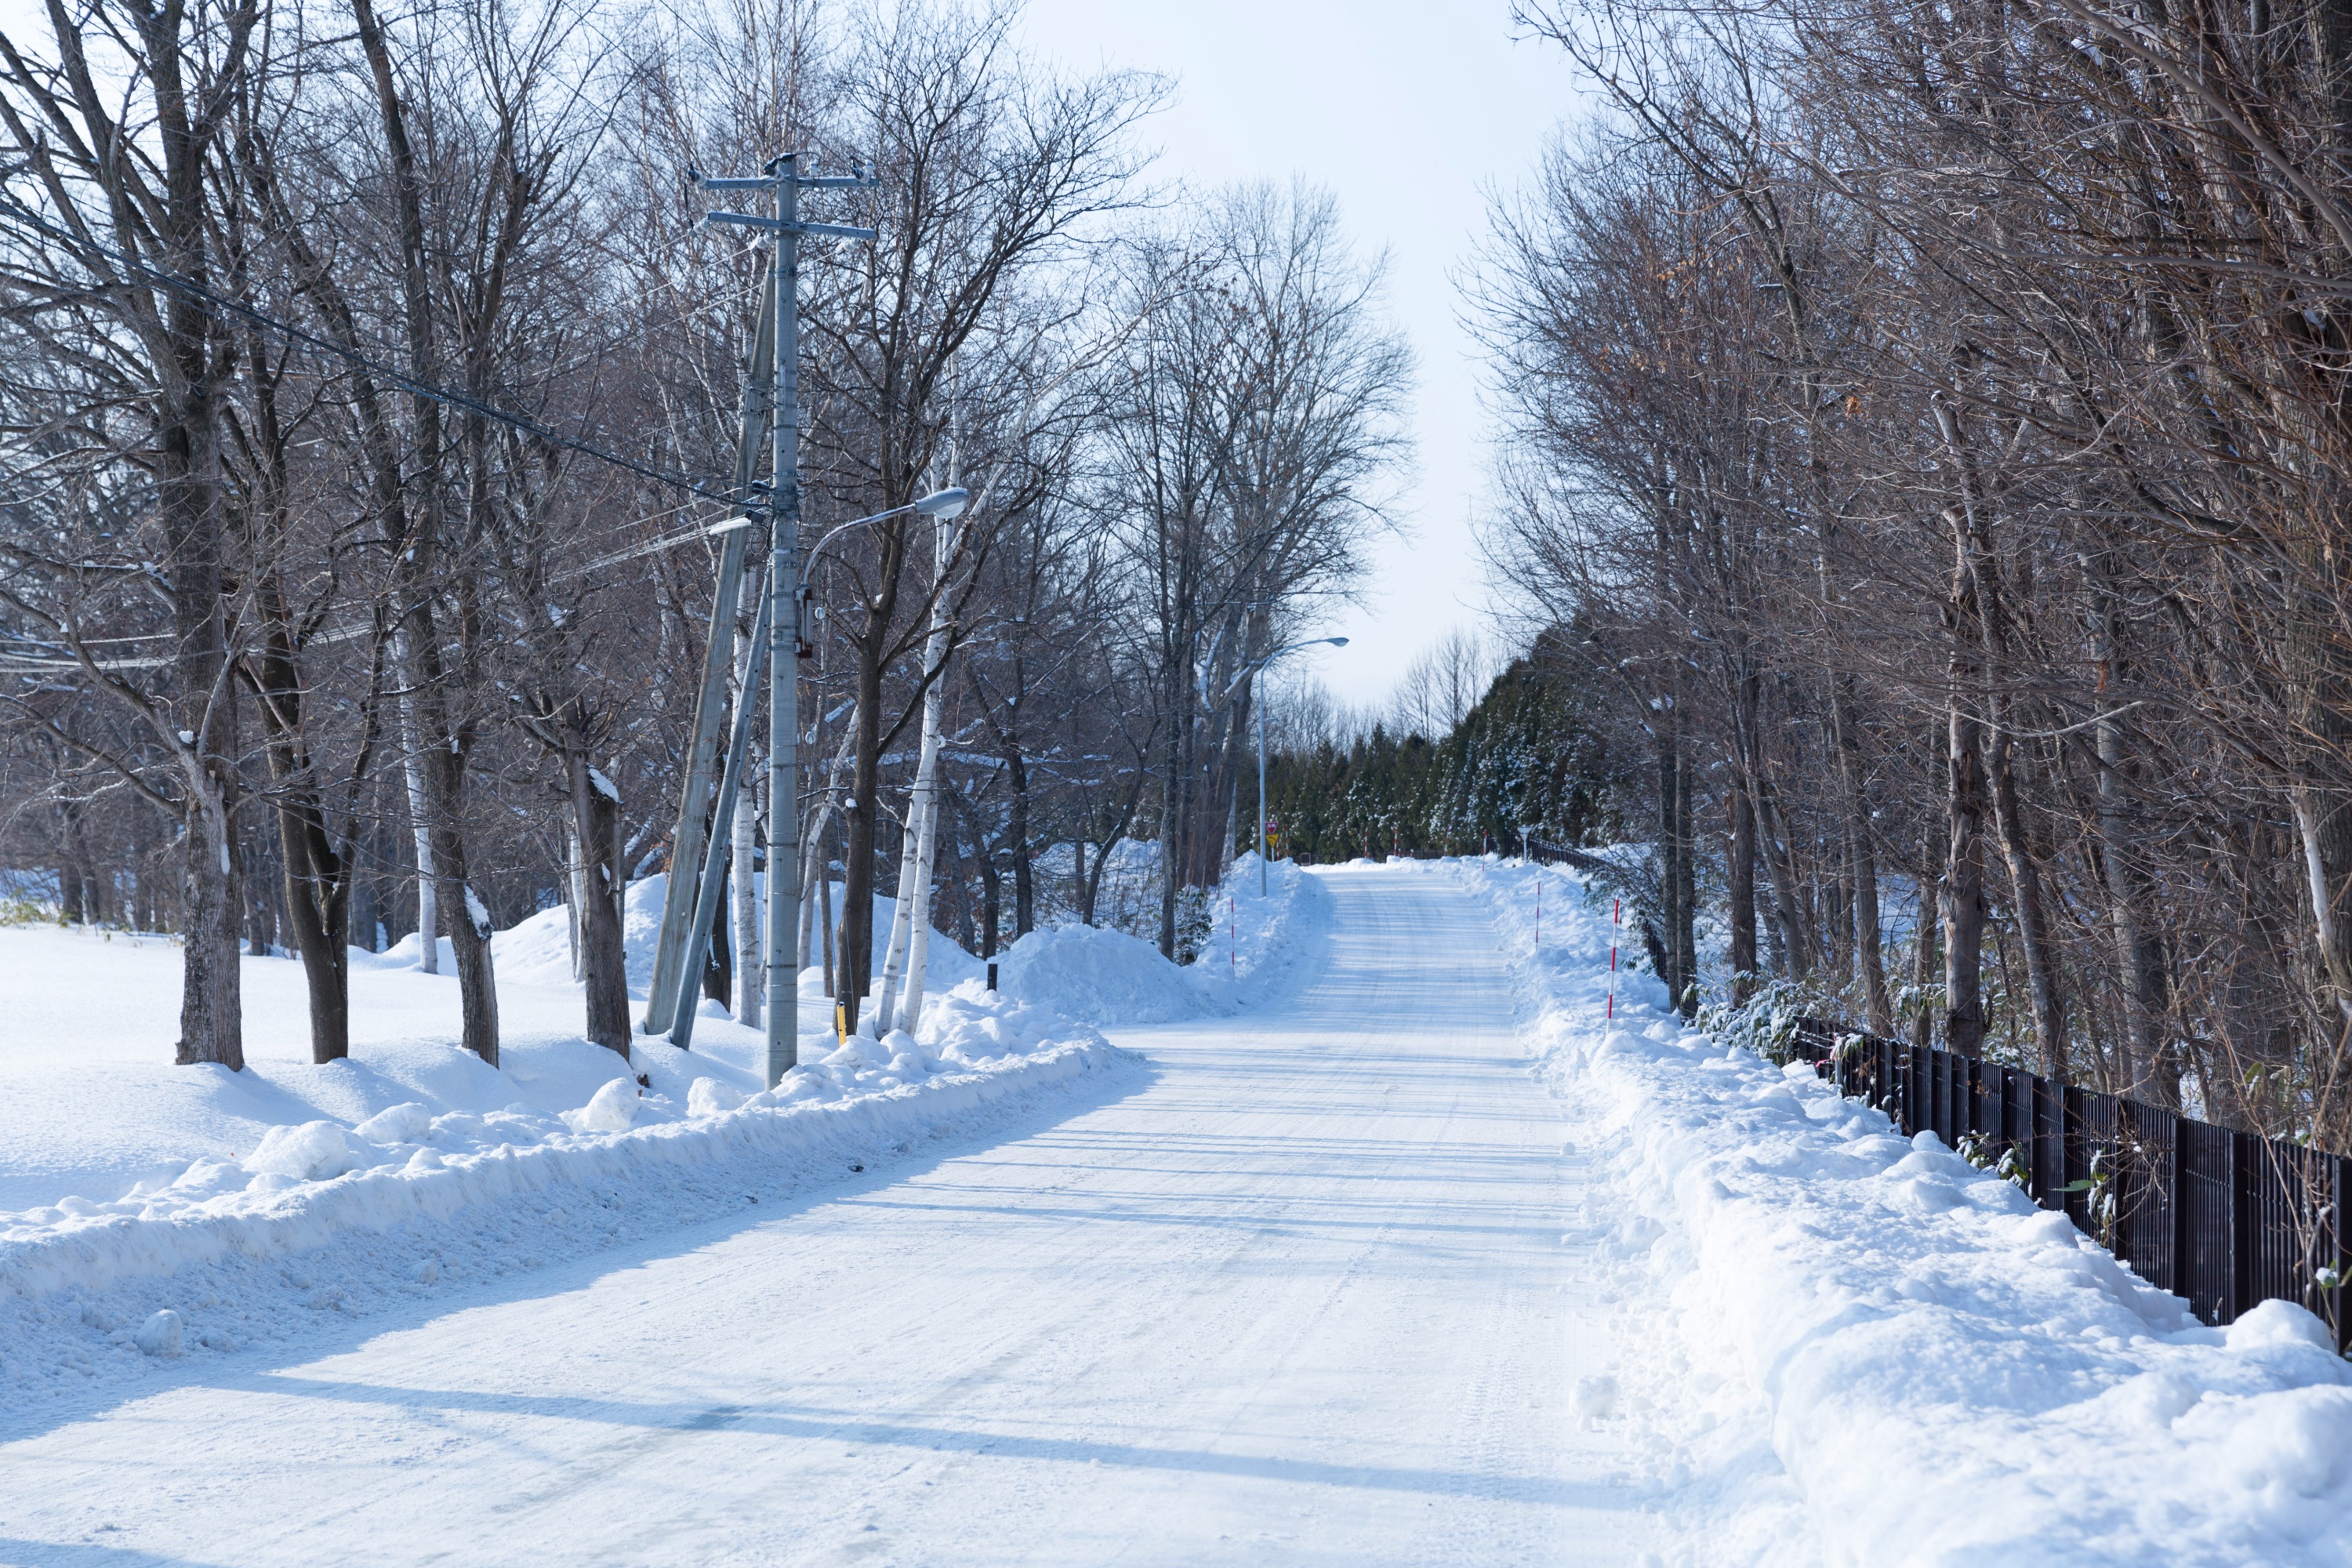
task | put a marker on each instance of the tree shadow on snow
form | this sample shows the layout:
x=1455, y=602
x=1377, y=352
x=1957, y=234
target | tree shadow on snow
x=719, y=1200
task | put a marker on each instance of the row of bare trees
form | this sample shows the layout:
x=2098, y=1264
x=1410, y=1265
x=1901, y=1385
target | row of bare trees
x=1930, y=441
x=370, y=377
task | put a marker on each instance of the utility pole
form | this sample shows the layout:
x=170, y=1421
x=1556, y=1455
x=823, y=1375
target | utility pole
x=783, y=609
x=686, y=844
x=722, y=842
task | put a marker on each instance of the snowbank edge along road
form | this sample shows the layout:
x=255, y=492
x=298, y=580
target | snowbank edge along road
x=1954, y=1376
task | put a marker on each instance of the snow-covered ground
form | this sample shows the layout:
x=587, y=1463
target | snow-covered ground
x=1396, y=1252
x=1296, y=1297
x=163, y=1211
x=1947, y=1373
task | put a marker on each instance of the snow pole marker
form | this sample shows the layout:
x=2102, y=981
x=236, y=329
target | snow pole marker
x=1232, y=939
x=1615, y=907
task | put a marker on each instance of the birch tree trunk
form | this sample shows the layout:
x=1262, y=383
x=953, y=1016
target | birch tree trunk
x=912, y=915
x=578, y=886
x=927, y=782
x=420, y=822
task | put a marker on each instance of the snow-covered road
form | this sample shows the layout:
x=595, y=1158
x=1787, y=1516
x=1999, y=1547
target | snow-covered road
x=1301, y=1297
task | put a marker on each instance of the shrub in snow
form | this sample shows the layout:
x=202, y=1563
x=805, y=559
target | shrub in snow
x=708, y=1096
x=160, y=1335
x=314, y=1151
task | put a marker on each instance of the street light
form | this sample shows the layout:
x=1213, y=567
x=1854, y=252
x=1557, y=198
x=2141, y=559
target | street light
x=1248, y=673
x=947, y=503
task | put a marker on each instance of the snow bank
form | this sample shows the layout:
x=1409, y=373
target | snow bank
x=322, y=1216
x=1953, y=1374
x=241, y=1201
x=1099, y=974
x=1260, y=944
x=193, y=1190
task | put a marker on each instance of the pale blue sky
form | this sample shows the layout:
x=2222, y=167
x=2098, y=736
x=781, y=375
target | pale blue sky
x=1407, y=112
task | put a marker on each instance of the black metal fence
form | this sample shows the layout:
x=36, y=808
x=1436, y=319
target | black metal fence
x=2225, y=1219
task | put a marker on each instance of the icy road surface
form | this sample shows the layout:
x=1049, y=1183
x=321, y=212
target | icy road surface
x=1299, y=1298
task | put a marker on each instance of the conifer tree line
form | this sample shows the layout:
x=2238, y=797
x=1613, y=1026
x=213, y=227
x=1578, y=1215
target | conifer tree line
x=368, y=380
x=1461, y=762
x=1926, y=450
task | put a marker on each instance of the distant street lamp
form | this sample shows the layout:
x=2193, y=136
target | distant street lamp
x=1248, y=673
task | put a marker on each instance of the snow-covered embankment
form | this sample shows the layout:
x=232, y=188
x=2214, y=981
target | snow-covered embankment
x=1953, y=1375
x=239, y=1205
x=324, y=1218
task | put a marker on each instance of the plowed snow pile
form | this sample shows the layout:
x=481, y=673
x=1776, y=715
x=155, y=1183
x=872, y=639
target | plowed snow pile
x=1954, y=1376
x=153, y=1211
x=1256, y=943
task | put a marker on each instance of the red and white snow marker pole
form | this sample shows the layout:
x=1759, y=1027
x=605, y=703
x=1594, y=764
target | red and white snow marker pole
x=1616, y=905
x=1539, y=912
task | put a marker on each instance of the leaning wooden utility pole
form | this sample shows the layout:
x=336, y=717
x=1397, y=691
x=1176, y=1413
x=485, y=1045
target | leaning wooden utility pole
x=786, y=645
x=686, y=844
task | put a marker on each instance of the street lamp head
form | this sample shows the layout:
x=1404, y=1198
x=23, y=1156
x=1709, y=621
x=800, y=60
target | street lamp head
x=1337, y=642
x=947, y=503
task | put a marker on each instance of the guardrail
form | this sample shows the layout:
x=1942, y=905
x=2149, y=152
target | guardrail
x=2224, y=1218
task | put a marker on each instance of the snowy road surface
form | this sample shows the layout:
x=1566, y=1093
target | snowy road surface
x=1300, y=1298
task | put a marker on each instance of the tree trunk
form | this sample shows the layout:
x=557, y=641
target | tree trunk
x=469, y=922
x=863, y=816
x=1742, y=878
x=1926, y=951
x=575, y=894
x=718, y=953
x=992, y=897
x=2137, y=957
x=1869, y=963
x=604, y=959
x=212, y=981
x=142, y=887
x=825, y=924
x=926, y=846
x=1670, y=853
x=1024, y=875
x=881, y=1019
x=2025, y=887
x=420, y=822
x=1964, y=911
x=1173, y=804
x=317, y=871
x=1779, y=859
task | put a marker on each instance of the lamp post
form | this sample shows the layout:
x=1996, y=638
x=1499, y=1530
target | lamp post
x=1249, y=673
